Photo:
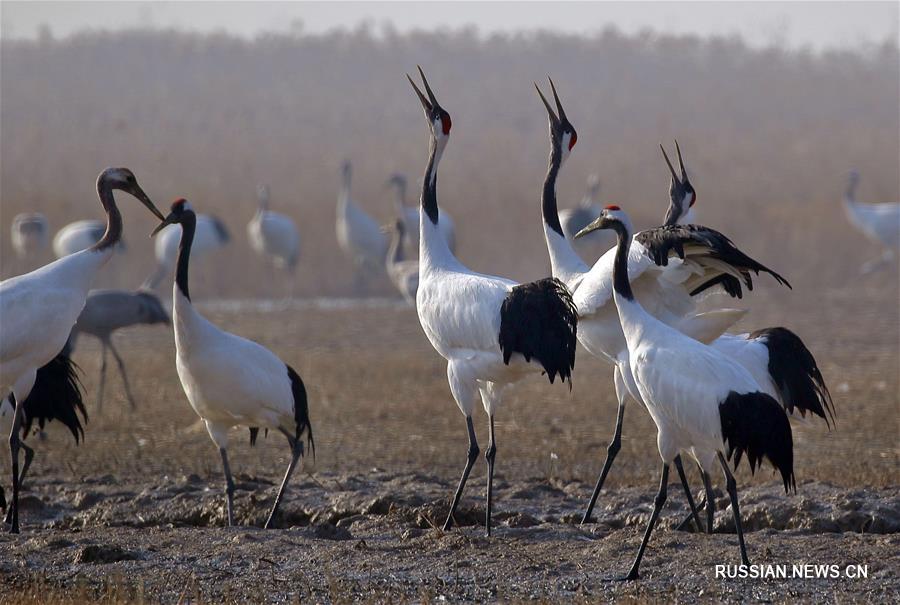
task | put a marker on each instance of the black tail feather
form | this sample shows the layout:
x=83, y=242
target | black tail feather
x=56, y=395
x=754, y=423
x=301, y=410
x=539, y=321
x=795, y=373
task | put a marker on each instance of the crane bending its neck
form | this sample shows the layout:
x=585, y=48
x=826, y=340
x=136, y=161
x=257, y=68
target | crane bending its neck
x=188, y=227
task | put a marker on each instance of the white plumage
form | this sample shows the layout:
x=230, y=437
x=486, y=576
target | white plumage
x=211, y=235
x=701, y=401
x=359, y=236
x=272, y=235
x=29, y=234
x=665, y=291
x=879, y=222
x=410, y=216
x=78, y=236
x=40, y=308
x=231, y=381
x=486, y=327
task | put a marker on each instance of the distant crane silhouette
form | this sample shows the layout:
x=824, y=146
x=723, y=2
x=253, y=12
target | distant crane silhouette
x=410, y=216
x=879, y=222
x=30, y=234
x=106, y=311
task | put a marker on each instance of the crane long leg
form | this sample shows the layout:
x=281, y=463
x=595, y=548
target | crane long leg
x=121, y=365
x=489, y=455
x=229, y=486
x=710, y=508
x=657, y=506
x=29, y=456
x=735, y=509
x=611, y=451
x=472, y=456
x=687, y=492
x=296, y=452
x=102, y=375
x=710, y=502
x=14, y=444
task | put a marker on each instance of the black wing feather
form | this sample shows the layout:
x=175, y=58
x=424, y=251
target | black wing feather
x=662, y=242
x=539, y=320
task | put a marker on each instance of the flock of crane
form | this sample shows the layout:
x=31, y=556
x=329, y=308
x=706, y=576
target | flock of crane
x=714, y=395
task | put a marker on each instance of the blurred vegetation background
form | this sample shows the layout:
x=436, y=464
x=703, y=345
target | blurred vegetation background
x=768, y=135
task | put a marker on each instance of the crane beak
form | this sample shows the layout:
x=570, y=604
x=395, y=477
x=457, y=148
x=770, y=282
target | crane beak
x=166, y=221
x=142, y=197
x=554, y=119
x=669, y=164
x=596, y=225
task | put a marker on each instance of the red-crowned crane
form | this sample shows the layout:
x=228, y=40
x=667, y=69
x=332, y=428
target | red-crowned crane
x=40, y=308
x=702, y=402
x=492, y=331
x=273, y=235
x=361, y=239
x=231, y=381
x=878, y=222
x=665, y=286
x=776, y=357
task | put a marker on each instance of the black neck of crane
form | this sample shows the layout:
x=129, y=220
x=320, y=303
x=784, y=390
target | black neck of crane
x=188, y=227
x=548, y=197
x=620, y=266
x=429, y=185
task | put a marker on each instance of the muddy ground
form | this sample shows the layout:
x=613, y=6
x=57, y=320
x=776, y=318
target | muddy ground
x=137, y=511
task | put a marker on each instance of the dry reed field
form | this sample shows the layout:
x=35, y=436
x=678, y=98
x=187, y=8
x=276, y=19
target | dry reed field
x=136, y=512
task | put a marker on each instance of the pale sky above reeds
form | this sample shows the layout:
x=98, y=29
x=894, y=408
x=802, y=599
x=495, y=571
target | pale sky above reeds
x=816, y=25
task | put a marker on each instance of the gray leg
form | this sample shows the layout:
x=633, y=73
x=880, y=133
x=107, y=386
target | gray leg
x=296, y=452
x=687, y=491
x=229, y=486
x=102, y=375
x=657, y=506
x=611, y=451
x=14, y=444
x=473, y=454
x=736, y=511
x=489, y=455
x=121, y=365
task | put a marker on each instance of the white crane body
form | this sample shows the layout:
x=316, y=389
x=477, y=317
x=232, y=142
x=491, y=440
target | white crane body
x=38, y=309
x=231, y=381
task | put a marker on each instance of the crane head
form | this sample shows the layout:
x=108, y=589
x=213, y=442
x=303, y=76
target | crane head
x=611, y=217
x=124, y=180
x=681, y=193
x=438, y=119
x=181, y=209
x=562, y=132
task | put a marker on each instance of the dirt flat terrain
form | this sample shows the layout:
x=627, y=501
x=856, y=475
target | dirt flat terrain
x=137, y=511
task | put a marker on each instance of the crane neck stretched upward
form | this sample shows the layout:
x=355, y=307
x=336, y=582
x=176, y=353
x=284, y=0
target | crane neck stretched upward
x=113, y=233
x=433, y=248
x=565, y=263
x=188, y=227
x=429, y=183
